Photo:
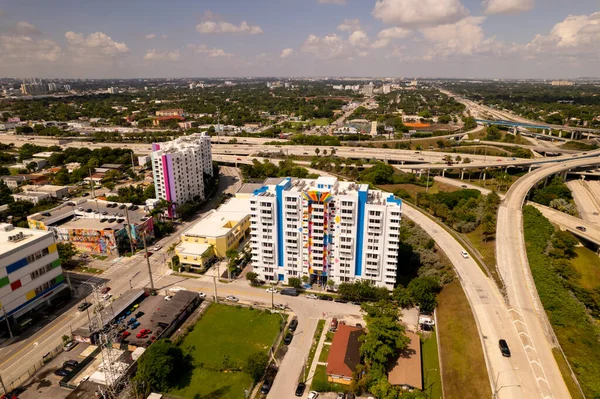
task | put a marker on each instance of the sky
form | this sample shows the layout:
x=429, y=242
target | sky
x=300, y=38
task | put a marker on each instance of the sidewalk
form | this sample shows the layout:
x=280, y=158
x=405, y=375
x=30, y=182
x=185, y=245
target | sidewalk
x=315, y=363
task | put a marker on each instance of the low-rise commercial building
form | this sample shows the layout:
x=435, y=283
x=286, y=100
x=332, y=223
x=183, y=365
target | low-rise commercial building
x=30, y=272
x=13, y=182
x=406, y=372
x=344, y=354
x=94, y=227
x=58, y=192
x=218, y=232
x=33, y=197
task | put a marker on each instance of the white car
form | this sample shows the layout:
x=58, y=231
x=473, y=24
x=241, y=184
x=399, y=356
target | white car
x=312, y=395
x=157, y=247
x=202, y=295
x=168, y=297
x=280, y=306
x=464, y=254
x=106, y=297
x=312, y=296
x=272, y=290
x=231, y=298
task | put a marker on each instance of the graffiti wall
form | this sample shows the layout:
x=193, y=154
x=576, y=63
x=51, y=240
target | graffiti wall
x=90, y=240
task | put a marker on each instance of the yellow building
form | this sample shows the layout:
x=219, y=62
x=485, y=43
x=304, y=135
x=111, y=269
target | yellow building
x=221, y=230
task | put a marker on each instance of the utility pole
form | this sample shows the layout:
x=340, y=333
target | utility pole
x=427, y=186
x=128, y=230
x=92, y=184
x=148, y=260
x=218, y=126
x=132, y=163
x=216, y=295
x=7, y=322
x=272, y=298
x=4, y=391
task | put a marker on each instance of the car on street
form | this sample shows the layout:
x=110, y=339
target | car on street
x=464, y=186
x=70, y=345
x=61, y=372
x=231, y=298
x=312, y=296
x=293, y=325
x=147, y=255
x=288, y=339
x=300, y=389
x=340, y=300
x=272, y=290
x=168, y=297
x=464, y=254
x=312, y=395
x=325, y=298
x=157, y=247
x=266, y=387
x=581, y=228
x=105, y=290
x=83, y=306
x=70, y=364
x=504, y=348
x=289, y=292
x=106, y=297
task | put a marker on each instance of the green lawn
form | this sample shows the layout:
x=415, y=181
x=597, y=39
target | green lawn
x=328, y=336
x=225, y=335
x=313, y=346
x=487, y=249
x=413, y=189
x=587, y=263
x=432, y=378
x=320, y=383
x=324, y=353
x=463, y=365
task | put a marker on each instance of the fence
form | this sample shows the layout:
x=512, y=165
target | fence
x=17, y=382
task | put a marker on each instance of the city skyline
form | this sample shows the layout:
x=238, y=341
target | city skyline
x=395, y=38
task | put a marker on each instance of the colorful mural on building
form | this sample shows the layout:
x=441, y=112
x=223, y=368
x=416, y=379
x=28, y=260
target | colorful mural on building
x=313, y=198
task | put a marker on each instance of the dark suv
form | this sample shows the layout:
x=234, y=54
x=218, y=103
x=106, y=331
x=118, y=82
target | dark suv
x=504, y=348
x=300, y=389
x=293, y=325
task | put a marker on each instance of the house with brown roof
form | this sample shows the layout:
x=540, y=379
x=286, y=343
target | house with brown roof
x=406, y=372
x=344, y=354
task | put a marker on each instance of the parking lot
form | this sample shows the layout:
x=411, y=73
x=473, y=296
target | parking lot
x=148, y=306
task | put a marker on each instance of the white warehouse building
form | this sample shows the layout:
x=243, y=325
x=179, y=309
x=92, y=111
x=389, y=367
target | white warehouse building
x=325, y=229
x=179, y=166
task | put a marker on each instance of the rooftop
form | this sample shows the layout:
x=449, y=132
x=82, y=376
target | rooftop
x=221, y=221
x=21, y=237
x=44, y=188
x=192, y=248
x=407, y=369
x=249, y=188
x=344, y=354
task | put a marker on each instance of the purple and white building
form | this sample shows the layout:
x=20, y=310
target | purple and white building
x=179, y=167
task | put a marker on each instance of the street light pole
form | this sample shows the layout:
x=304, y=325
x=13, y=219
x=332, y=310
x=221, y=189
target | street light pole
x=143, y=232
x=7, y=322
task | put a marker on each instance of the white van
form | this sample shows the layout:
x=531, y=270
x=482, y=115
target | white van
x=464, y=254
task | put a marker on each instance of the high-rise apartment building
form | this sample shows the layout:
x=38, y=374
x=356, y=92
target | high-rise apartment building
x=179, y=167
x=30, y=272
x=325, y=229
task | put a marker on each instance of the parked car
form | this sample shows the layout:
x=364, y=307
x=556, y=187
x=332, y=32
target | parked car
x=300, y=389
x=125, y=334
x=266, y=387
x=288, y=339
x=62, y=372
x=105, y=290
x=157, y=247
x=139, y=314
x=289, y=291
x=325, y=298
x=70, y=345
x=83, y=306
x=581, y=228
x=135, y=325
x=202, y=295
x=334, y=325
x=106, y=297
x=70, y=364
x=147, y=255
x=312, y=395
x=46, y=214
x=464, y=186
x=231, y=298
x=293, y=325
x=168, y=297
x=504, y=348
x=312, y=296
x=122, y=206
x=272, y=290
x=340, y=300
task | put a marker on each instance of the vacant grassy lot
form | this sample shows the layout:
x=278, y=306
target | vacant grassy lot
x=588, y=264
x=219, y=344
x=432, y=379
x=320, y=383
x=324, y=353
x=413, y=189
x=463, y=367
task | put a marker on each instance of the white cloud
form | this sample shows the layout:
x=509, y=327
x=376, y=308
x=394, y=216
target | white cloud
x=507, y=6
x=286, y=52
x=358, y=38
x=387, y=35
x=211, y=52
x=150, y=36
x=338, y=2
x=227, y=27
x=155, y=55
x=349, y=25
x=21, y=49
x=327, y=47
x=95, y=46
x=577, y=35
x=419, y=13
x=163, y=36
x=25, y=28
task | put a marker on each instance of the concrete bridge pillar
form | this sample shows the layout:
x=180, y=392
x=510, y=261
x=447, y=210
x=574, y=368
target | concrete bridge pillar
x=588, y=135
x=546, y=181
x=462, y=174
x=443, y=172
x=572, y=134
x=529, y=168
x=560, y=133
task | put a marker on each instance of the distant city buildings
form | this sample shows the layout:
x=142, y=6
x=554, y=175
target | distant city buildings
x=324, y=229
x=30, y=272
x=179, y=167
x=170, y=112
x=112, y=90
x=561, y=83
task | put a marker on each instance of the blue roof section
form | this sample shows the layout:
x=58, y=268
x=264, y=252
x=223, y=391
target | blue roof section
x=286, y=183
x=394, y=200
x=260, y=190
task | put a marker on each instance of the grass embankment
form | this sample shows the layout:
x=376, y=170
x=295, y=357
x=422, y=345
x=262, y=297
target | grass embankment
x=578, y=145
x=463, y=366
x=577, y=332
x=219, y=345
x=432, y=379
x=413, y=189
x=587, y=262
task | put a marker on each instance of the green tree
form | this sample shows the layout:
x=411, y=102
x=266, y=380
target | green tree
x=423, y=290
x=256, y=364
x=252, y=277
x=66, y=252
x=402, y=296
x=493, y=133
x=160, y=367
x=317, y=151
x=5, y=194
x=294, y=282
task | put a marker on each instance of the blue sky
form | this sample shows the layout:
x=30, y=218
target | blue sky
x=423, y=38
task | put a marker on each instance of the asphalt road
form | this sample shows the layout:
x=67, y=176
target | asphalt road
x=570, y=223
x=586, y=195
x=526, y=310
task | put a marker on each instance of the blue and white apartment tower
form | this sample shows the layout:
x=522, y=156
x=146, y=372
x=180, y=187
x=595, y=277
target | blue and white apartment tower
x=325, y=229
